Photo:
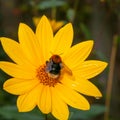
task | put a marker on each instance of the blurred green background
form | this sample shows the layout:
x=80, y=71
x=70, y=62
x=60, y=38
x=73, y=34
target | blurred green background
x=92, y=19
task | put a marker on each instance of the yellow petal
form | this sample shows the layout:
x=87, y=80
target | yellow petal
x=59, y=107
x=29, y=44
x=83, y=86
x=44, y=102
x=36, y=20
x=17, y=71
x=56, y=24
x=78, y=53
x=19, y=86
x=13, y=50
x=62, y=40
x=28, y=101
x=44, y=35
x=90, y=68
x=71, y=97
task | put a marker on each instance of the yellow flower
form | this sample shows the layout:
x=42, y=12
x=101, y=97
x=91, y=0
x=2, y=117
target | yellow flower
x=47, y=72
x=55, y=24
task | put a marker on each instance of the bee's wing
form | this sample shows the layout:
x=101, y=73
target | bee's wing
x=68, y=70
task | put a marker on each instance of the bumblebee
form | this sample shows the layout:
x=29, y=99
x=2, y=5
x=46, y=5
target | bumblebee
x=54, y=66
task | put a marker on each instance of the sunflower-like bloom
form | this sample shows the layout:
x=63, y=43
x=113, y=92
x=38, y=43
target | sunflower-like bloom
x=55, y=24
x=47, y=72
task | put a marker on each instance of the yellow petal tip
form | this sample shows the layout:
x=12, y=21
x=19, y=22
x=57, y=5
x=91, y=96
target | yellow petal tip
x=21, y=110
x=87, y=107
x=99, y=95
x=1, y=38
x=22, y=25
x=90, y=42
x=69, y=26
x=103, y=64
x=44, y=18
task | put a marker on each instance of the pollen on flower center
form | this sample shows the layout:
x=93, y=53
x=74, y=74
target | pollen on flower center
x=44, y=77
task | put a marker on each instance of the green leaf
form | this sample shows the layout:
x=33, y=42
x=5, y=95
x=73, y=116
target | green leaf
x=87, y=115
x=50, y=4
x=70, y=14
x=11, y=112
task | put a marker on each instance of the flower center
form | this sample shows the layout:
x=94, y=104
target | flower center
x=44, y=77
x=52, y=72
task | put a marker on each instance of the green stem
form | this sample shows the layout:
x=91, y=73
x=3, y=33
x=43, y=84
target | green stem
x=53, y=11
x=75, y=9
x=46, y=117
x=110, y=78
